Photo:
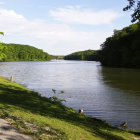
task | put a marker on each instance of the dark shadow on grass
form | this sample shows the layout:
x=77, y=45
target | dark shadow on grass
x=135, y=133
x=34, y=103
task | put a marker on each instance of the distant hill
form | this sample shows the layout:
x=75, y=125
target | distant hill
x=18, y=52
x=89, y=55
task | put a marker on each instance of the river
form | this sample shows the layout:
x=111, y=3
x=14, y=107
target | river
x=111, y=94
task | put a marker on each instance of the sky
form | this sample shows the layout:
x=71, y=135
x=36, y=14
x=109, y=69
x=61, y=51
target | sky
x=61, y=27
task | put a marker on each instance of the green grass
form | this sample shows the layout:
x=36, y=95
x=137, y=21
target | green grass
x=46, y=119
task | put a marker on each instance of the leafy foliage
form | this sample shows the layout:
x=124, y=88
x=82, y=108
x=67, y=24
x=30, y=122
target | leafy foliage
x=2, y=49
x=17, y=52
x=90, y=55
x=123, y=48
x=2, y=33
x=135, y=6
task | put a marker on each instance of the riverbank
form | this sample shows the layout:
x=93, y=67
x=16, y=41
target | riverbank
x=43, y=118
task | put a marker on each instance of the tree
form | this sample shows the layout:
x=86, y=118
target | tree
x=135, y=6
x=123, y=48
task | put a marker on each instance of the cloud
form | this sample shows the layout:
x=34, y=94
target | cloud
x=78, y=15
x=1, y=2
x=53, y=38
x=11, y=22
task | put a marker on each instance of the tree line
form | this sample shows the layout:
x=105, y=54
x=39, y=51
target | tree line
x=18, y=52
x=89, y=55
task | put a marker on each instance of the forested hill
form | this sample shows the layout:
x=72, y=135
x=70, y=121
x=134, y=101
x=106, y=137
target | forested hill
x=90, y=55
x=18, y=52
x=123, y=48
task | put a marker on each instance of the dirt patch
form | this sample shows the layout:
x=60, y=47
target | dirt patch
x=7, y=132
x=135, y=138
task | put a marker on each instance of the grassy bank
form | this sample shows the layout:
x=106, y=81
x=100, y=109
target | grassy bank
x=45, y=119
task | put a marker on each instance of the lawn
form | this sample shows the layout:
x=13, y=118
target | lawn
x=44, y=118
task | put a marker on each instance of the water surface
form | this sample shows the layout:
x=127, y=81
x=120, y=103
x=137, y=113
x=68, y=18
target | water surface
x=111, y=94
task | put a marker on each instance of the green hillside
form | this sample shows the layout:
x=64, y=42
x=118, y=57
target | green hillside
x=48, y=119
x=18, y=52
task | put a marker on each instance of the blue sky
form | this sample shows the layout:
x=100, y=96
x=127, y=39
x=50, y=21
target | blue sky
x=61, y=27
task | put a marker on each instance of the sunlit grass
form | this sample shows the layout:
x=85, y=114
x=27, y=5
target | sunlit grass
x=46, y=119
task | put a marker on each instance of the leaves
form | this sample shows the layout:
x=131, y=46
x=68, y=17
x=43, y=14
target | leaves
x=2, y=33
x=135, y=6
x=2, y=54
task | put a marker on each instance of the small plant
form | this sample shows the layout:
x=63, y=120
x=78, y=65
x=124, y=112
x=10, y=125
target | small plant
x=62, y=91
x=54, y=91
x=56, y=99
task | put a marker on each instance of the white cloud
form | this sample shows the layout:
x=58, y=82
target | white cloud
x=54, y=38
x=1, y=2
x=77, y=15
x=11, y=22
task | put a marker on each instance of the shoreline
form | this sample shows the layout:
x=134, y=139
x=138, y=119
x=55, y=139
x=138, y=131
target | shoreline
x=42, y=118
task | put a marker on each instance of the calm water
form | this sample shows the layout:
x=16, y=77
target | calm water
x=111, y=94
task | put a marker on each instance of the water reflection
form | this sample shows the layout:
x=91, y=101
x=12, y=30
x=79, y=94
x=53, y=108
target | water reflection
x=125, y=96
x=124, y=79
